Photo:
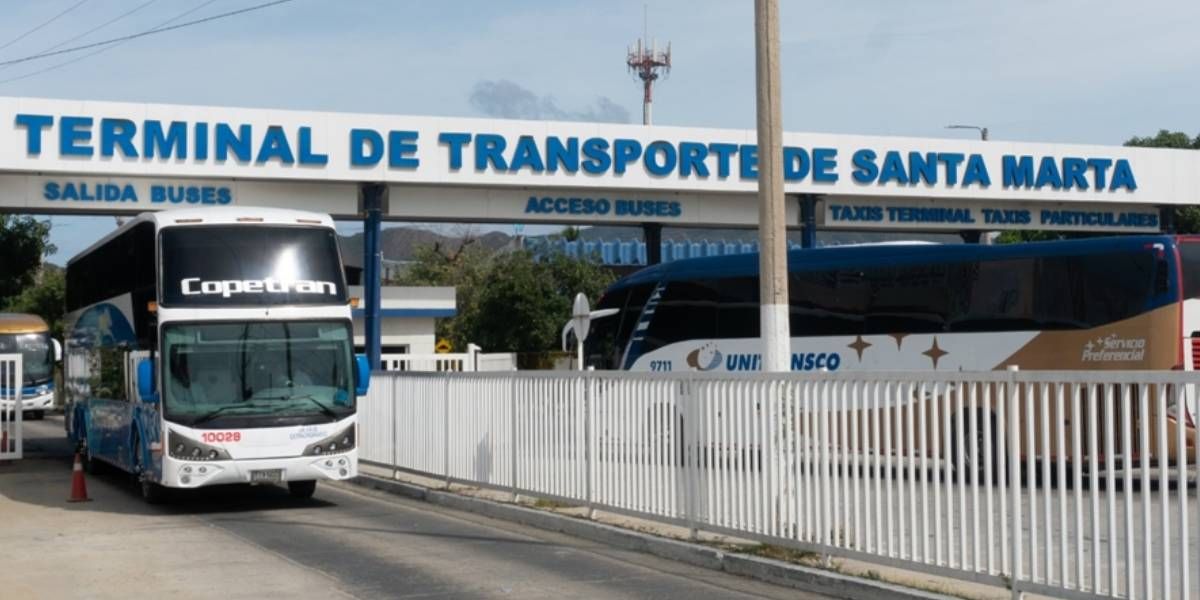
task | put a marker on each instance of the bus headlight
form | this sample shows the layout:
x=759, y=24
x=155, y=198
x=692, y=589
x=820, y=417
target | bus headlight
x=342, y=441
x=189, y=449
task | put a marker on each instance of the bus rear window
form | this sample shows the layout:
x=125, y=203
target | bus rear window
x=250, y=266
x=1189, y=258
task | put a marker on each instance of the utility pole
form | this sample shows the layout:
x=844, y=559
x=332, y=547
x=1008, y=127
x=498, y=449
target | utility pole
x=772, y=216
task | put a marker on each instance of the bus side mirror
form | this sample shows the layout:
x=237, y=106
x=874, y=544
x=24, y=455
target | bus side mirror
x=362, y=374
x=145, y=380
x=57, y=350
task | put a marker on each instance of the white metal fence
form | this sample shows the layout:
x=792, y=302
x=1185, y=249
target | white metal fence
x=11, y=378
x=461, y=362
x=1071, y=484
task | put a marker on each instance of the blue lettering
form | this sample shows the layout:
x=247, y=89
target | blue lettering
x=951, y=160
x=274, y=145
x=666, y=152
x=691, y=159
x=724, y=153
x=169, y=144
x=51, y=191
x=893, y=169
x=824, y=163
x=34, y=124
x=454, y=143
x=1074, y=173
x=402, y=146
x=1017, y=172
x=922, y=167
x=625, y=151
x=976, y=172
x=1048, y=174
x=227, y=140
x=796, y=164
x=559, y=154
x=748, y=161
x=70, y=136
x=526, y=155
x=117, y=132
x=598, y=161
x=1123, y=176
x=1100, y=168
x=307, y=156
x=489, y=148
x=360, y=155
x=865, y=169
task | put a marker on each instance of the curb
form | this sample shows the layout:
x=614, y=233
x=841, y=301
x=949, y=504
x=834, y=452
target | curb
x=763, y=569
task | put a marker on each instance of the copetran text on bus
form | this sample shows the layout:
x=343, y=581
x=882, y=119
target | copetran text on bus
x=193, y=286
x=125, y=139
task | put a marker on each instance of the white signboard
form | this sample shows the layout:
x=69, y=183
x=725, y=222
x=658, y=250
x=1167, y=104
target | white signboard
x=113, y=140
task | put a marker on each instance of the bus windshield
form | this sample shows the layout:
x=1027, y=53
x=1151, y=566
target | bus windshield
x=37, y=355
x=257, y=373
x=250, y=266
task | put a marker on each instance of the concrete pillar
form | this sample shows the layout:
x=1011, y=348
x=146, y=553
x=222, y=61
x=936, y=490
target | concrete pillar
x=808, y=221
x=772, y=213
x=652, y=234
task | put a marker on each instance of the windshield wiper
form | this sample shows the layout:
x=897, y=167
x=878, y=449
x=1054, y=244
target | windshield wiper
x=329, y=412
x=206, y=417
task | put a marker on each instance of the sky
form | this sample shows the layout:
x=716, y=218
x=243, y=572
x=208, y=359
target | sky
x=1068, y=71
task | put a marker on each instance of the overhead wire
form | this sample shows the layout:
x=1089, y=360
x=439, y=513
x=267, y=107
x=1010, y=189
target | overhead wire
x=119, y=17
x=119, y=41
x=44, y=24
x=152, y=31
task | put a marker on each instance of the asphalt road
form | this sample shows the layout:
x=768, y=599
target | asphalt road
x=258, y=542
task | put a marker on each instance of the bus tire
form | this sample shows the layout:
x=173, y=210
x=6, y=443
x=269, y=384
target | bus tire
x=302, y=490
x=974, y=470
x=152, y=493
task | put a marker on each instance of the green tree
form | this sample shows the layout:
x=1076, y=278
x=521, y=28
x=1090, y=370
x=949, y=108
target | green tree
x=45, y=298
x=24, y=241
x=507, y=301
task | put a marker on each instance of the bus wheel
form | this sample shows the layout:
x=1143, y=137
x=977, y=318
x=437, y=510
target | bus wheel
x=302, y=490
x=974, y=467
x=152, y=493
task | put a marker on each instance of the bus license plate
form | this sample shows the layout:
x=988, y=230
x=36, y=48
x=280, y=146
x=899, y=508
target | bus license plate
x=266, y=476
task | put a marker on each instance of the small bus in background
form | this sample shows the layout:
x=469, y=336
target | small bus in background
x=1119, y=303
x=214, y=346
x=29, y=336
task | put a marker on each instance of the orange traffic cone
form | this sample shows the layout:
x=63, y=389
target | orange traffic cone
x=78, y=485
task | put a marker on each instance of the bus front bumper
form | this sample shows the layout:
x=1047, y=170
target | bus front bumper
x=178, y=473
x=28, y=403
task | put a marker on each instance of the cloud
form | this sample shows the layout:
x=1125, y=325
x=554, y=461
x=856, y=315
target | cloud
x=508, y=100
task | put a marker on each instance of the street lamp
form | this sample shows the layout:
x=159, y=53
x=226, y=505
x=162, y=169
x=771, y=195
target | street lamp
x=983, y=132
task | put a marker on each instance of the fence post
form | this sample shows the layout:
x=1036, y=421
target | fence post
x=688, y=437
x=512, y=398
x=395, y=398
x=588, y=436
x=446, y=429
x=1014, y=480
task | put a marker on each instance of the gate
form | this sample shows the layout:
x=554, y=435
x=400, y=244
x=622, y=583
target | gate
x=11, y=446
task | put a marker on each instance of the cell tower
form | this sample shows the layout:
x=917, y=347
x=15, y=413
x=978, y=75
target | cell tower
x=647, y=63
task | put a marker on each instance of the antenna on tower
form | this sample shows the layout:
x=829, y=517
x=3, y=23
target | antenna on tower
x=648, y=64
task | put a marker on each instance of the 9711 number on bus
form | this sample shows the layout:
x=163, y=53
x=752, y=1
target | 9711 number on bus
x=660, y=365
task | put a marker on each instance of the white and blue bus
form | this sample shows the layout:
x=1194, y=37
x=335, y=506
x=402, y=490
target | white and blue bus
x=1122, y=303
x=214, y=346
x=29, y=336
